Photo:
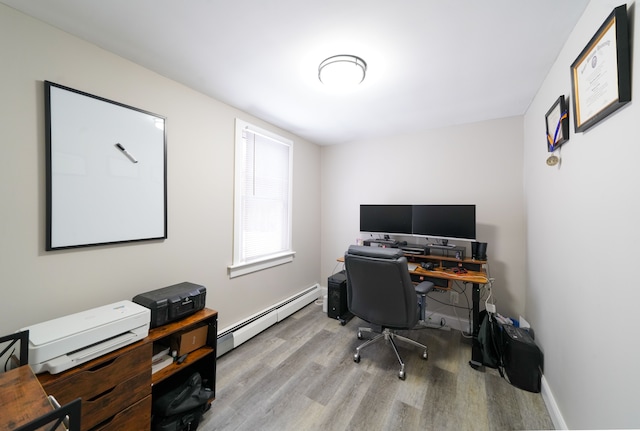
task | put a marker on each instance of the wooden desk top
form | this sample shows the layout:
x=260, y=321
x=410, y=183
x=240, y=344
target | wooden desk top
x=479, y=277
x=21, y=397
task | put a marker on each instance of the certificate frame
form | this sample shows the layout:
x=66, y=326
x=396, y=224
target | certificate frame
x=557, y=123
x=601, y=74
x=106, y=171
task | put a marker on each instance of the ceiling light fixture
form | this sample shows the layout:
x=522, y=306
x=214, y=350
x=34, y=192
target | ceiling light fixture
x=342, y=71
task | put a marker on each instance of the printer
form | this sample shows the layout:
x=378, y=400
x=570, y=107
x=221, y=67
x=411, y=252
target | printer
x=59, y=344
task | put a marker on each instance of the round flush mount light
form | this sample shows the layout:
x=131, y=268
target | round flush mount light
x=342, y=71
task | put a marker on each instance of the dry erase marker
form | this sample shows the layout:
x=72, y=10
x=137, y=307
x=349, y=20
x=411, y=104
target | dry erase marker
x=126, y=153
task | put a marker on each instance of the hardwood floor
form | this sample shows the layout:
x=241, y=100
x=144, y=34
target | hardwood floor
x=300, y=375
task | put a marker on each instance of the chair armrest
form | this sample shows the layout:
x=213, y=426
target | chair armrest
x=424, y=287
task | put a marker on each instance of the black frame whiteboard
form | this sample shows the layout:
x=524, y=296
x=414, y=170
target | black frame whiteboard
x=106, y=171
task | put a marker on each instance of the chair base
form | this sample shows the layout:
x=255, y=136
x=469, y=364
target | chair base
x=390, y=336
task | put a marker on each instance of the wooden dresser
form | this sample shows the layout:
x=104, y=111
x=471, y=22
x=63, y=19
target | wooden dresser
x=118, y=389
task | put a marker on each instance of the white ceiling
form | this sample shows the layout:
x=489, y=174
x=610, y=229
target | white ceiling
x=431, y=63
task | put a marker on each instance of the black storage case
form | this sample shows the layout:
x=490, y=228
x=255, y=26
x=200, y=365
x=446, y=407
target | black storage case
x=523, y=360
x=172, y=302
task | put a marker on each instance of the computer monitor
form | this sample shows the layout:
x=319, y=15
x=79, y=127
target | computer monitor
x=444, y=221
x=386, y=219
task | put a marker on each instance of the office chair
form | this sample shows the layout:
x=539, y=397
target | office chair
x=380, y=292
x=67, y=415
x=11, y=340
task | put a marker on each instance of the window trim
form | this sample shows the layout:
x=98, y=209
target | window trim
x=259, y=265
x=239, y=268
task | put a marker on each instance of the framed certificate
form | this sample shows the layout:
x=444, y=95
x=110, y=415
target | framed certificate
x=601, y=75
x=557, y=119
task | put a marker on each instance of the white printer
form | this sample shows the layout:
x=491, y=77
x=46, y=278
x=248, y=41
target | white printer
x=59, y=344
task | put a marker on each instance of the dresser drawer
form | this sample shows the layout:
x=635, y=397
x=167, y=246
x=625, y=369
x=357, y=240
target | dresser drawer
x=98, y=377
x=136, y=417
x=107, y=404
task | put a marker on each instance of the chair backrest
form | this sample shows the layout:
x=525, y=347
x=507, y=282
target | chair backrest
x=8, y=342
x=379, y=288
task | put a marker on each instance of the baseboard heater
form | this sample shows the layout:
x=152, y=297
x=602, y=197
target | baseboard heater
x=232, y=337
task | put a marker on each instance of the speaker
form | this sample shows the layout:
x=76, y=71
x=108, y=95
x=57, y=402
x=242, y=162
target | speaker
x=479, y=250
x=337, y=295
x=523, y=360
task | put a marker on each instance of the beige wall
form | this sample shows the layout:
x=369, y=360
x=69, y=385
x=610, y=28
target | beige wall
x=478, y=163
x=583, y=234
x=38, y=285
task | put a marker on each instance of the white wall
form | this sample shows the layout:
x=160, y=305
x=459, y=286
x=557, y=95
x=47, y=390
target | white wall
x=38, y=285
x=477, y=163
x=583, y=234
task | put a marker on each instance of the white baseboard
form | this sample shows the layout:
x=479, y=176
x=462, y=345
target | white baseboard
x=449, y=321
x=234, y=335
x=552, y=406
x=252, y=329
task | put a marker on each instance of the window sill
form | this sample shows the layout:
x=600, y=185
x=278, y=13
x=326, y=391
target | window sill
x=259, y=265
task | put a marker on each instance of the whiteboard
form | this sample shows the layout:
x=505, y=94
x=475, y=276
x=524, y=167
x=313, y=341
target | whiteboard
x=106, y=171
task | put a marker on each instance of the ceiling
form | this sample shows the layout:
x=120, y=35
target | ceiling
x=430, y=63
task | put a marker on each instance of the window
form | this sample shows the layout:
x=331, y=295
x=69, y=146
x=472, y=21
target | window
x=262, y=200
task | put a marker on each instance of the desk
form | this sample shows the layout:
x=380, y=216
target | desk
x=22, y=398
x=443, y=276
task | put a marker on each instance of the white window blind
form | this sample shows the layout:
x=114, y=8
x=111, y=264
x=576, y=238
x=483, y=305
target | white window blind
x=262, y=220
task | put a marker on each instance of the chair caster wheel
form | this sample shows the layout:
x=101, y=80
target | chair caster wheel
x=359, y=335
x=425, y=355
x=356, y=358
x=402, y=375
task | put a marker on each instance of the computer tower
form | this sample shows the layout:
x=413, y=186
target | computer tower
x=523, y=360
x=337, y=296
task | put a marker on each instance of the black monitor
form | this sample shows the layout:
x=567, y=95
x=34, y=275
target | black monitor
x=393, y=219
x=445, y=221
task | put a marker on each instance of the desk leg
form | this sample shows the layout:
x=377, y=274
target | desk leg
x=476, y=352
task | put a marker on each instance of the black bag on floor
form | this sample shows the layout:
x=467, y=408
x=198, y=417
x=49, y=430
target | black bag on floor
x=185, y=421
x=181, y=408
x=490, y=339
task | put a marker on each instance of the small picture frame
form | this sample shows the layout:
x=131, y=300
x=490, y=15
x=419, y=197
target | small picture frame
x=601, y=74
x=557, y=121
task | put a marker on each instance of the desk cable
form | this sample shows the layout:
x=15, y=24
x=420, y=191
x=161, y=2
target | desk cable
x=490, y=307
x=455, y=307
x=464, y=292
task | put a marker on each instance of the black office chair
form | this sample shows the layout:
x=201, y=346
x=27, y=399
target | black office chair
x=380, y=292
x=67, y=415
x=9, y=341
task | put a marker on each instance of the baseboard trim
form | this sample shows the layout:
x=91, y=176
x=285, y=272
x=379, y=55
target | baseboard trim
x=234, y=335
x=452, y=322
x=552, y=406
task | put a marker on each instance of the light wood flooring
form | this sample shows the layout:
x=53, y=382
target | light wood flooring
x=300, y=375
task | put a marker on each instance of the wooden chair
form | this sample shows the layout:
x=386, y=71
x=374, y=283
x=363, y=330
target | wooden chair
x=67, y=415
x=10, y=341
